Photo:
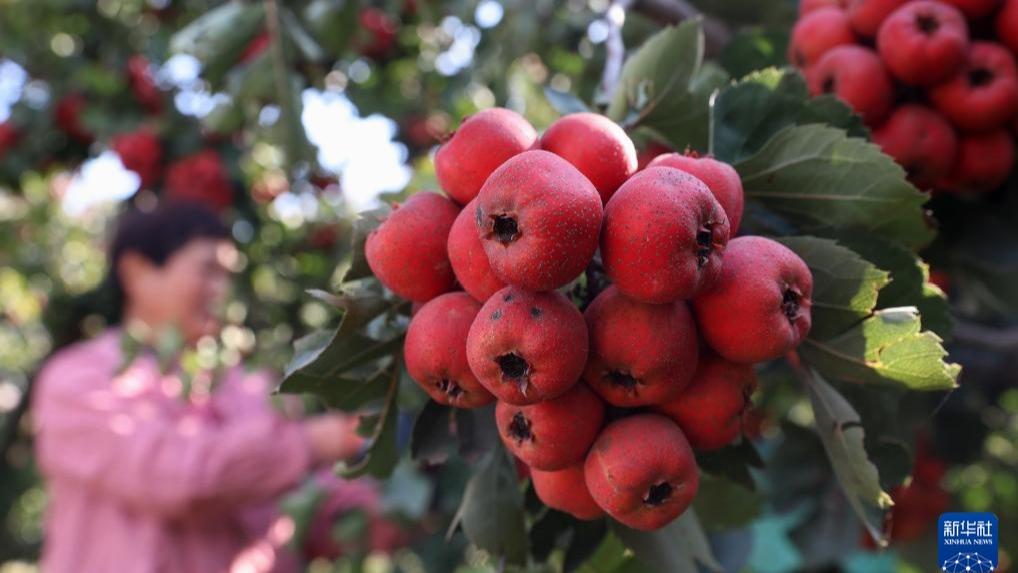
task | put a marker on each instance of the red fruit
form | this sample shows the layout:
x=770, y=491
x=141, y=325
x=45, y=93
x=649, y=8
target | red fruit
x=983, y=164
x=407, y=252
x=974, y=9
x=983, y=95
x=663, y=236
x=866, y=16
x=526, y=347
x=856, y=76
x=710, y=410
x=760, y=308
x=67, y=115
x=649, y=152
x=1007, y=25
x=553, y=434
x=921, y=141
x=141, y=152
x=139, y=75
x=642, y=472
x=381, y=30
x=721, y=178
x=9, y=137
x=435, y=351
x=468, y=259
x=816, y=33
x=566, y=491
x=640, y=353
x=538, y=219
x=807, y=6
x=483, y=142
x=595, y=145
x=200, y=177
x=942, y=279
x=923, y=43
x=255, y=47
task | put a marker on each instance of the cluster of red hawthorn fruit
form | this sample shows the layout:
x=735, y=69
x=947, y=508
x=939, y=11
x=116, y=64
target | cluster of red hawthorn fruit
x=936, y=80
x=605, y=406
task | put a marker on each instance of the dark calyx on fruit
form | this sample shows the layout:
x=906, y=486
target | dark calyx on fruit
x=790, y=304
x=704, y=244
x=980, y=77
x=519, y=428
x=514, y=369
x=927, y=24
x=450, y=388
x=658, y=494
x=623, y=379
x=505, y=228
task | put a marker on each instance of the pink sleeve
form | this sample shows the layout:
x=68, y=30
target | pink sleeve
x=130, y=447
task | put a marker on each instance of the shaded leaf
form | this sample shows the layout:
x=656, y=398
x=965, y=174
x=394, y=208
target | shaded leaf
x=587, y=539
x=679, y=547
x=564, y=102
x=723, y=504
x=357, y=267
x=382, y=453
x=476, y=430
x=686, y=123
x=733, y=462
x=432, y=437
x=491, y=513
x=219, y=36
x=753, y=49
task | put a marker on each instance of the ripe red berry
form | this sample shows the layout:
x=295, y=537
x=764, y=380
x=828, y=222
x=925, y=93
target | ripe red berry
x=983, y=94
x=866, y=16
x=816, y=33
x=526, y=347
x=663, y=236
x=539, y=219
x=650, y=151
x=1007, y=25
x=141, y=152
x=200, y=177
x=760, y=307
x=921, y=141
x=640, y=353
x=67, y=116
x=484, y=141
x=983, y=164
x=924, y=42
x=553, y=434
x=435, y=351
x=710, y=409
x=469, y=261
x=721, y=178
x=974, y=9
x=857, y=77
x=807, y=6
x=380, y=32
x=9, y=137
x=566, y=491
x=255, y=47
x=143, y=85
x=407, y=252
x=596, y=146
x=642, y=472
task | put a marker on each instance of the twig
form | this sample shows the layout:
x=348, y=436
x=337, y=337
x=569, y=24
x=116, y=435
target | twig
x=615, y=48
x=716, y=33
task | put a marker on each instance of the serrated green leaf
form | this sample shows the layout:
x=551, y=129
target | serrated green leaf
x=845, y=286
x=821, y=180
x=843, y=437
x=491, y=513
x=679, y=547
x=886, y=348
x=753, y=110
x=686, y=122
x=723, y=504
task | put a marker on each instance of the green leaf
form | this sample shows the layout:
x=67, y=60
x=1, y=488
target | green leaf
x=821, y=180
x=750, y=112
x=723, y=504
x=679, y=547
x=656, y=87
x=491, y=513
x=886, y=348
x=219, y=36
x=611, y=556
x=564, y=102
x=357, y=267
x=382, y=454
x=753, y=49
x=843, y=437
x=432, y=438
x=733, y=462
x=687, y=125
x=845, y=286
x=294, y=31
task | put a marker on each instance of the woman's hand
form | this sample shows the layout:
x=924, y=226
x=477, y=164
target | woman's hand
x=333, y=437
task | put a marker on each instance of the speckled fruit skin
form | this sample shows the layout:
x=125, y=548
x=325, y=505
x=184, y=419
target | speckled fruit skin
x=538, y=219
x=468, y=259
x=983, y=95
x=484, y=141
x=1006, y=25
x=974, y=9
x=807, y=6
x=866, y=16
x=640, y=354
x=526, y=347
x=921, y=141
x=407, y=252
x=856, y=76
x=923, y=43
x=642, y=472
x=663, y=236
x=760, y=308
x=595, y=145
x=435, y=351
x=721, y=178
x=983, y=164
x=816, y=33
x=554, y=434
x=566, y=491
x=709, y=411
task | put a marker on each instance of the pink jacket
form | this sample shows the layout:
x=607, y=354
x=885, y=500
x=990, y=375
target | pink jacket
x=143, y=480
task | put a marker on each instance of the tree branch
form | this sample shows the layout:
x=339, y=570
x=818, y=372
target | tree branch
x=716, y=33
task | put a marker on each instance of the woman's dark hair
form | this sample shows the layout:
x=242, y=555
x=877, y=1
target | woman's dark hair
x=156, y=235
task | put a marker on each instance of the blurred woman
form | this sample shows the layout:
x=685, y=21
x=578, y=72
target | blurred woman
x=147, y=473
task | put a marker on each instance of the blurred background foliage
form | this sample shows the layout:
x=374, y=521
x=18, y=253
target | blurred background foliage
x=281, y=93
